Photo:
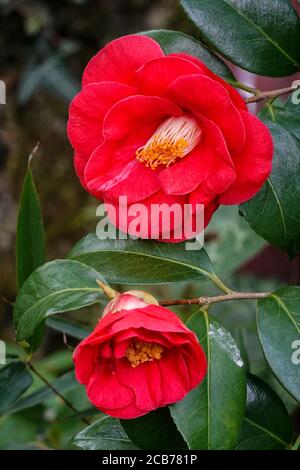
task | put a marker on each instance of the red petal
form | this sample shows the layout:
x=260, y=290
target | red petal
x=253, y=165
x=174, y=376
x=113, y=162
x=105, y=389
x=80, y=162
x=185, y=175
x=83, y=358
x=204, y=95
x=88, y=110
x=145, y=382
x=128, y=412
x=147, y=221
x=155, y=76
x=152, y=317
x=134, y=112
x=196, y=362
x=214, y=149
x=141, y=183
x=234, y=95
x=119, y=59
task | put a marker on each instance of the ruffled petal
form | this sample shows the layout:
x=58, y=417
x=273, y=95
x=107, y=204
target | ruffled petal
x=105, y=390
x=155, y=76
x=174, y=377
x=113, y=162
x=234, y=95
x=119, y=59
x=88, y=110
x=203, y=95
x=141, y=183
x=152, y=317
x=196, y=362
x=128, y=412
x=214, y=149
x=135, y=111
x=253, y=165
x=83, y=357
x=80, y=162
x=145, y=382
x=185, y=175
x=156, y=217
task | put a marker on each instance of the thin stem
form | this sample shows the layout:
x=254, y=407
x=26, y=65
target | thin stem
x=263, y=95
x=243, y=86
x=55, y=391
x=218, y=298
x=220, y=284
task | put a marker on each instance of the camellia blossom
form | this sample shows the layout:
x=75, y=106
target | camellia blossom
x=164, y=128
x=139, y=357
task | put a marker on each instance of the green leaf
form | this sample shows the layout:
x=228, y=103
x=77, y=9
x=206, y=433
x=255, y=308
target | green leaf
x=15, y=379
x=267, y=425
x=174, y=41
x=63, y=384
x=30, y=244
x=68, y=327
x=156, y=430
x=55, y=287
x=274, y=213
x=105, y=434
x=211, y=415
x=278, y=323
x=141, y=262
x=261, y=36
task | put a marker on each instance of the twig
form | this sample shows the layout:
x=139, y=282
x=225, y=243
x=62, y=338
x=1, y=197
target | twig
x=263, y=95
x=218, y=298
x=55, y=391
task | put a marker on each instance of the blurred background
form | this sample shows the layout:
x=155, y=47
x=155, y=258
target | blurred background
x=44, y=47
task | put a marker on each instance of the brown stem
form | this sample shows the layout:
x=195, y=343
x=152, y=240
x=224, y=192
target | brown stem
x=262, y=95
x=218, y=298
x=55, y=391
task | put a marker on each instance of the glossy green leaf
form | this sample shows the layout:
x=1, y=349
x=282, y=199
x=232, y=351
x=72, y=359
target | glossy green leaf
x=267, y=425
x=173, y=42
x=68, y=327
x=63, y=384
x=278, y=323
x=261, y=36
x=155, y=430
x=30, y=244
x=55, y=287
x=141, y=262
x=274, y=213
x=15, y=379
x=105, y=434
x=211, y=415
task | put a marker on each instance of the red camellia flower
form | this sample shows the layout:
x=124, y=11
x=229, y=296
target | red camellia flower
x=139, y=357
x=162, y=128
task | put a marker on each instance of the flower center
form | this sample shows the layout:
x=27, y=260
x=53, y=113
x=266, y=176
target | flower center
x=173, y=139
x=139, y=352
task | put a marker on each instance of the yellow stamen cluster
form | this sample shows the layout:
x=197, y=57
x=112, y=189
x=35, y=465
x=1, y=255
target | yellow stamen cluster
x=173, y=139
x=161, y=152
x=139, y=352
